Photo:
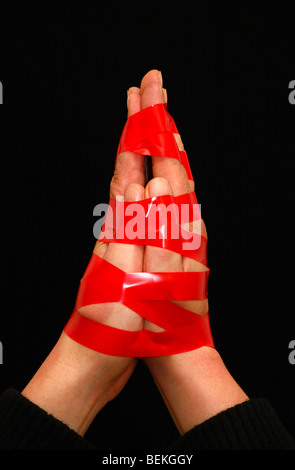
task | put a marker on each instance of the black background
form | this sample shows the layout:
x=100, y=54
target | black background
x=65, y=70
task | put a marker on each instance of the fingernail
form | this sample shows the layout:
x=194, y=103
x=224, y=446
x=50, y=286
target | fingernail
x=161, y=93
x=158, y=187
x=165, y=95
x=133, y=193
x=160, y=77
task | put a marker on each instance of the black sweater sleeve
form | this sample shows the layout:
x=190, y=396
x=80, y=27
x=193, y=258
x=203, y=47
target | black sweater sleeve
x=25, y=426
x=251, y=425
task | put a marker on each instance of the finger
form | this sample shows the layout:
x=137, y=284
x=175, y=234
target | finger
x=133, y=101
x=152, y=92
x=172, y=170
x=165, y=95
x=151, y=89
x=128, y=258
x=159, y=259
x=129, y=166
x=133, y=106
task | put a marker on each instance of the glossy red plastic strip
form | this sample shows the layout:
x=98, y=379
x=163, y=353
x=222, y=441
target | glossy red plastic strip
x=150, y=132
x=137, y=286
x=184, y=330
x=143, y=343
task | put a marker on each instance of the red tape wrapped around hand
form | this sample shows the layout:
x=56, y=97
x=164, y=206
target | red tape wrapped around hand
x=146, y=294
x=149, y=132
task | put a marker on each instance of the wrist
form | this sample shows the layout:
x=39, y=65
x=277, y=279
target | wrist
x=71, y=384
x=195, y=386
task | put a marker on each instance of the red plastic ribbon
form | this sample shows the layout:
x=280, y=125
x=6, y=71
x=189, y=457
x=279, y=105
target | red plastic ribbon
x=146, y=294
x=149, y=132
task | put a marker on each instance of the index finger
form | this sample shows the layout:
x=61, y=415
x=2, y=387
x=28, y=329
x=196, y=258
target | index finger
x=168, y=168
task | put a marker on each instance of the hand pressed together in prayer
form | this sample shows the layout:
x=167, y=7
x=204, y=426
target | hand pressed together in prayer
x=75, y=382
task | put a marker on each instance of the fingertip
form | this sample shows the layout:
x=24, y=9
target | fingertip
x=133, y=101
x=100, y=248
x=153, y=75
x=151, y=89
x=134, y=192
x=165, y=95
x=158, y=187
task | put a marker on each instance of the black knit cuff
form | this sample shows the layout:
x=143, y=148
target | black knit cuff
x=252, y=425
x=25, y=426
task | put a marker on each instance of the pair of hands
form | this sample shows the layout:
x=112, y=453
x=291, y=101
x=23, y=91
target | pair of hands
x=74, y=382
x=129, y=181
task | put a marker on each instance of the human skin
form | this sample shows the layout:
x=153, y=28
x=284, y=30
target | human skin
x=74, y=383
